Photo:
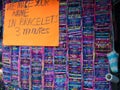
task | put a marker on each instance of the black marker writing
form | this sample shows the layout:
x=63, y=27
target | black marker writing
x=35, y=31
x=12, y=23
x=19, y=13
x=42, y=2
x=39, y=20
x=17, y=31
x=29, y=3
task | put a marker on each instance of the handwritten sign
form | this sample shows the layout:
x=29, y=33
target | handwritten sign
x=32, y=23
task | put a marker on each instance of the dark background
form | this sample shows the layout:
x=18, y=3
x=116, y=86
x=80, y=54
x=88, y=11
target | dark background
x=116, y=24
